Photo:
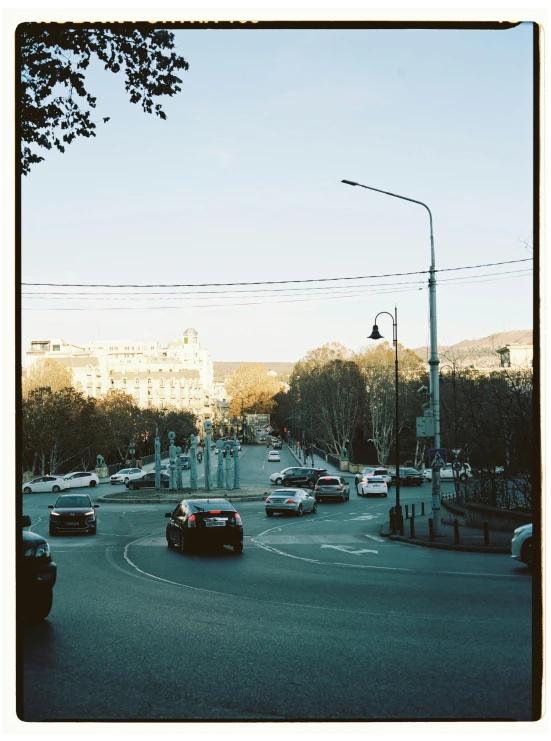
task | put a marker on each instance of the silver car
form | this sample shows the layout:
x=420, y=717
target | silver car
x=332, y=487
x=296, y=501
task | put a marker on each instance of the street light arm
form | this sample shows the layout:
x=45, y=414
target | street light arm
x=404, y=198
x=394, y=324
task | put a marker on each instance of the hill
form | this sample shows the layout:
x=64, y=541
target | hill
x=479, y=352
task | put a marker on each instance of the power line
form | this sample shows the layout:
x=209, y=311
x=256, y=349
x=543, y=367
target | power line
x=266, y=282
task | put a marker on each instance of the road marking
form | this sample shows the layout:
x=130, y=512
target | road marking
x=347, y=550
x=363, y=517
x=374, y=537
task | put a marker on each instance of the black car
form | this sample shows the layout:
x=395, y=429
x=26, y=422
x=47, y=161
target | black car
x=408, y=477
x=36, y=576
x=303, y=477
x=73, y=513
x=204, y=522
x=147, y=481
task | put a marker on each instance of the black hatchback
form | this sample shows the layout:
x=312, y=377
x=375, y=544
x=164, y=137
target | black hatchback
x=196, y=522
x=73, y=513
x=408, y=477
x=147, y=481
x=303, y=477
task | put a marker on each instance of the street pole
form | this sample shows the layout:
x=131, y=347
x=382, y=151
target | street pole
x=311, y=438
x=376, y=335
x=433, y=360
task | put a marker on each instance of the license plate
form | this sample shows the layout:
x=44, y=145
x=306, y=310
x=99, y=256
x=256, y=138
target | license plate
x=71, y=524
x=216, y=523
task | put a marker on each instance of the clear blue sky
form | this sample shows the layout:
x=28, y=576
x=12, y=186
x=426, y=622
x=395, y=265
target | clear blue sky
x=242, y=183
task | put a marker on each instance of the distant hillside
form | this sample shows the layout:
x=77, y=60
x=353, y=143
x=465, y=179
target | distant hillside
x=479, y=352
x=223, y=369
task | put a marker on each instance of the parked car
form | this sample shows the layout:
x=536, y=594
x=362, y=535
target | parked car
x=277, y=478
x=408, y=477
x=36, y=575
x=81, y=478
x=273, y=455
x=73, y=513
x=147, y=481
x=45, y=483
x=126, y=475
x=331, y=487
x=521, y=544
x=447, y=473
x=373, y=486
x=303, y=477
x=294, y=501
x=204, y=522
x=373, y=471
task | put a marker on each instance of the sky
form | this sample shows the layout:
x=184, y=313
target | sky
x=242, y=184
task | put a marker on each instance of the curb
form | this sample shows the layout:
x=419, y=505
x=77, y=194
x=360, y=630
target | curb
x=446, y=546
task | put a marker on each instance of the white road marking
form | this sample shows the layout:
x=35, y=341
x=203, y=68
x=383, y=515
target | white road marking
x=363, y=517
x=347, y=550
x=374, y=537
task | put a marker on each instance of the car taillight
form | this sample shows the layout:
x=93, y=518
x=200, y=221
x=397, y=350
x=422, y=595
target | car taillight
x=215, y=511
x=237, y=519
x=339, y=487
x=191, y=521
x=316, y=487
x=267, y=499
x=290, y=501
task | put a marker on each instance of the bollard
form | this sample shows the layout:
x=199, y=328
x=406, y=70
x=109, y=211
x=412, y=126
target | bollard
x=412, y=511
x=423, y=508
x=391, y=518
x=431, y=529
x=412, y=527
x=407, y=512
x=456, y=532
x=486, y=533
x=400, y=522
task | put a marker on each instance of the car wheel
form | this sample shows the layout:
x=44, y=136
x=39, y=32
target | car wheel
x=184, y=545
x=41, y=606
x=315, y=507
x=132, y=486
x=269, y=513
x=169, y=541
x=278, y=481
x=238, y=547
x=126, y=480
x=526, y=553
x=164, y=484
x=27, y=490
x=92, y=483
x=286, y=483
x=55, y=488
x=299, y=511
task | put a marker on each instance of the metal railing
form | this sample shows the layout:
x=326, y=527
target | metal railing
x=504, y=493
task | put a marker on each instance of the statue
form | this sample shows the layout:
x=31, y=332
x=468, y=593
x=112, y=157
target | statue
x=193, y=463
x=207, y=425
x=344, y=454
x=101, y=467
x=100, y=461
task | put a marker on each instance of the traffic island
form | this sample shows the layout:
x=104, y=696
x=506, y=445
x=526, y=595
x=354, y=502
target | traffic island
x=152, y=496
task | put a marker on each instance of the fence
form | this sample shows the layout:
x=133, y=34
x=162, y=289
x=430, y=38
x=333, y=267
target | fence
x=512, y=494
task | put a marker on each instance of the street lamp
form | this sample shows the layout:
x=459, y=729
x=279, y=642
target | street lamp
x=433, y=361
x=375, y=335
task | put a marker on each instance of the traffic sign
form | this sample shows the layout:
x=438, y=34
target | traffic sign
x=456, y=452
x=437, y=457
x=457, y=465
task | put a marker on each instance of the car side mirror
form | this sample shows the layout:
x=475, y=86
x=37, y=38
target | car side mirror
x=167, y=514
x=25, y=521
x=95, y=506
x=50, y=506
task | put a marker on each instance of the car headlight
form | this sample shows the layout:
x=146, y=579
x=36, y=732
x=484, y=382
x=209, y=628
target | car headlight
x=41, y=550
x=54, y=514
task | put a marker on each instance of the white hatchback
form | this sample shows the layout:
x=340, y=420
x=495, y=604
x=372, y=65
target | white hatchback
x=126, y=475
x=82, y=478
x=273, y=455
x=45, y=483
x=374, y=486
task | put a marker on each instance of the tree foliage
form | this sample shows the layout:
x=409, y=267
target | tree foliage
x=55, y=104
x=46, y=373
x=252, y=390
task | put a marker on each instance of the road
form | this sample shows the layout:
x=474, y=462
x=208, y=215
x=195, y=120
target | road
x=319, y=618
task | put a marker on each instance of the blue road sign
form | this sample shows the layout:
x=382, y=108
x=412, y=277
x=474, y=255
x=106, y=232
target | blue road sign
x=457, y=465
x=437, y=457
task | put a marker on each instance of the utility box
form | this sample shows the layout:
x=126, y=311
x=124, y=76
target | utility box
x=425, y=426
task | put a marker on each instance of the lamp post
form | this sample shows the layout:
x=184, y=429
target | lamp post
x=375, y=335
x=433, y=361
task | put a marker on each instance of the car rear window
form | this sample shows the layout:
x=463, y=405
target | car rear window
x=381, y=472
x=376, y=480
x=328, y=482
x=213, y=504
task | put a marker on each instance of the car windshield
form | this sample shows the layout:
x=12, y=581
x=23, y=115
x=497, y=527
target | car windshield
x=73, y=502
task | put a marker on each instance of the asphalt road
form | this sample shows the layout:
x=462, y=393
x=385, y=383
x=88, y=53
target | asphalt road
x=319, y=618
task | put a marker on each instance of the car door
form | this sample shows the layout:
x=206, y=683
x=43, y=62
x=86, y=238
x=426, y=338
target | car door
x=40, y=484
x=73, y=480
x=148, y=481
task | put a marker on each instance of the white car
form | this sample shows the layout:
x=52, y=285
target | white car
x=373, y=471
x=375, y=486
x=521, y=544
x=273, y=455
x=81, y=478
x=126, y=475
x=447, y=473
x=45, y=483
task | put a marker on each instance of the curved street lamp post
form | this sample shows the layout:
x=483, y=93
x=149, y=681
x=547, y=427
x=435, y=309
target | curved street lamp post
x=375, y=335
x=433, y=360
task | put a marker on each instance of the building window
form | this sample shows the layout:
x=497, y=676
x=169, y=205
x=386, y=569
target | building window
x=171, y=383
x=55, y=348
x=124, y=383
x=137, y=382
x=149, y=383
x=162, y=383
x=88, y=370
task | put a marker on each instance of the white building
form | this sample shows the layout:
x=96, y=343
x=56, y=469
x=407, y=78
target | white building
x=180, y=374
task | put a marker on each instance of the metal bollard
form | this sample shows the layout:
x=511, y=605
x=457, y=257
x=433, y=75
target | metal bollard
x=456, y=532
x=407, y=512
x=391, y=518
x=431, y=529
x=400, y=523
x=412, y=527
x=423, y=508
x=486, y=533
x=412, y=511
